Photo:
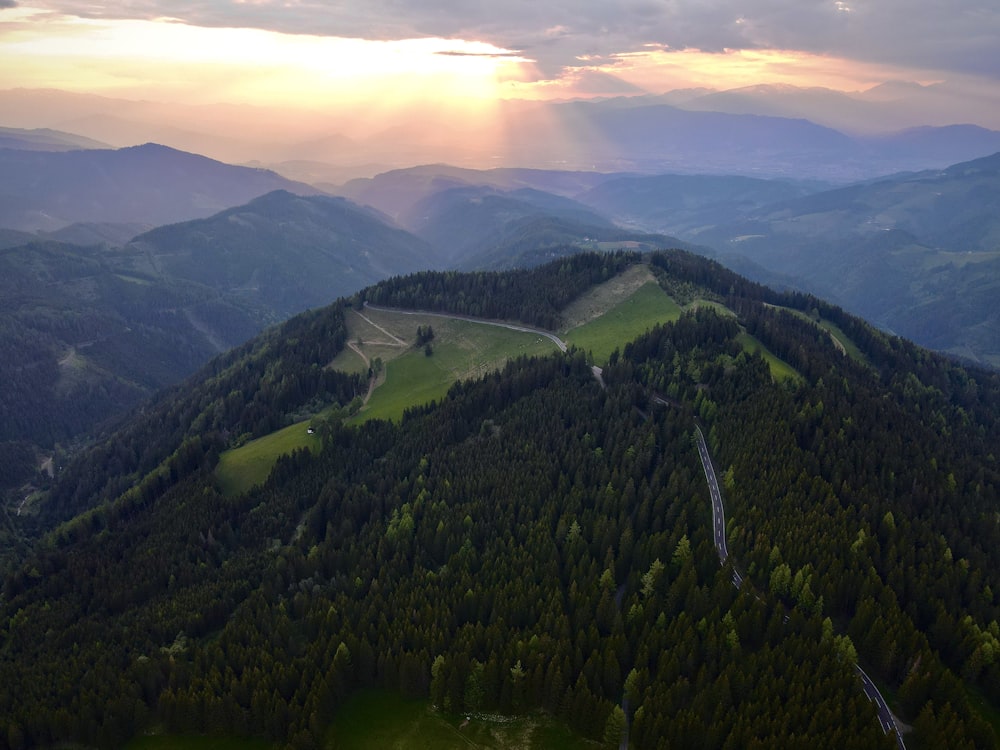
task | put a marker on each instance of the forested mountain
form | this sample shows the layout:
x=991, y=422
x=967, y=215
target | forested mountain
x=283, y=253
x=482, y=227
x=48, y=190
x=537, y=541
x=81, y=340
x=398, y=191
x=688, y=204
x=87, y=332
x=916, y=254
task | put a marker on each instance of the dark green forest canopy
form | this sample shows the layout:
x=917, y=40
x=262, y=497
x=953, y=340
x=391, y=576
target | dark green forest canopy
x=536, y=542
x=536, y=296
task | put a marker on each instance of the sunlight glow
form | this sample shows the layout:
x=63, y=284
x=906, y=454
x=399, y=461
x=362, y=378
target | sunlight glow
x=249, y=65
x=657, y=70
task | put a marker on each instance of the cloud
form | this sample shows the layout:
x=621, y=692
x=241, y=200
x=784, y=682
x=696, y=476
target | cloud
x=960, y=36
x=8, y=4
x=491, y=55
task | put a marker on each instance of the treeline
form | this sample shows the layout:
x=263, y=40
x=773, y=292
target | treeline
x=536, y=296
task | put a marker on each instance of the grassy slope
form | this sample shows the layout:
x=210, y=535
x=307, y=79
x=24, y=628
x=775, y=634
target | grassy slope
x=378, y=720
x=461, y=350
x=627, y=320
x=780, y=370
x=242, y=468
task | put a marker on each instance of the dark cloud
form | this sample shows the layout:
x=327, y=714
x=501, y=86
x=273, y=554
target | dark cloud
x=957, y=35
x=7, y=4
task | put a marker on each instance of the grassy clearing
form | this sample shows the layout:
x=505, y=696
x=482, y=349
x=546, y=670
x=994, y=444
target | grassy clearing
x=719, y=308
x=379, y=720
x=982, y=705
x=134, y=279
x=780, y=370
x=249, y=465
x=195, y=742
x=630, y=318
x=462, y=350
x=348, y=361
x=600, y=299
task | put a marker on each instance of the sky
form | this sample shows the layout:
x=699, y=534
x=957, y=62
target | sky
x=460, y=58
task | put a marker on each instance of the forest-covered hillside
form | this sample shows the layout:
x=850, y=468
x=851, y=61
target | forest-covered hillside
x=538, y=541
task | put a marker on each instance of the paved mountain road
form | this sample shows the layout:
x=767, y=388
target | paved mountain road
x=885, y=716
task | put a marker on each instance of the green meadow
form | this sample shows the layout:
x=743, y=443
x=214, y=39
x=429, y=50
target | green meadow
x=780, y=370
x=627, y=320
x=461, y=350
x=242, y=468
x=380, y=720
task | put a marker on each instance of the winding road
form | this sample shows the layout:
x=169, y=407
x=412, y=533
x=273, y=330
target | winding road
x=885, y=716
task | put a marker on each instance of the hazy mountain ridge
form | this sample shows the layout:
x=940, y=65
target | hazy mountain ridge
x=918, y=254
x=687, y=204
x=764, y=131
x=892, y=107
x=82, y=341
x=467, y=221
x=148, y=184
x=397, y=191
x=45, y=139
x=283, y=253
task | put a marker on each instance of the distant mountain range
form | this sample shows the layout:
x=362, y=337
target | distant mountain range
x=889, y=107
x=764, y=131
x=148, y=184
x=916, y=254
x=45, y=139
